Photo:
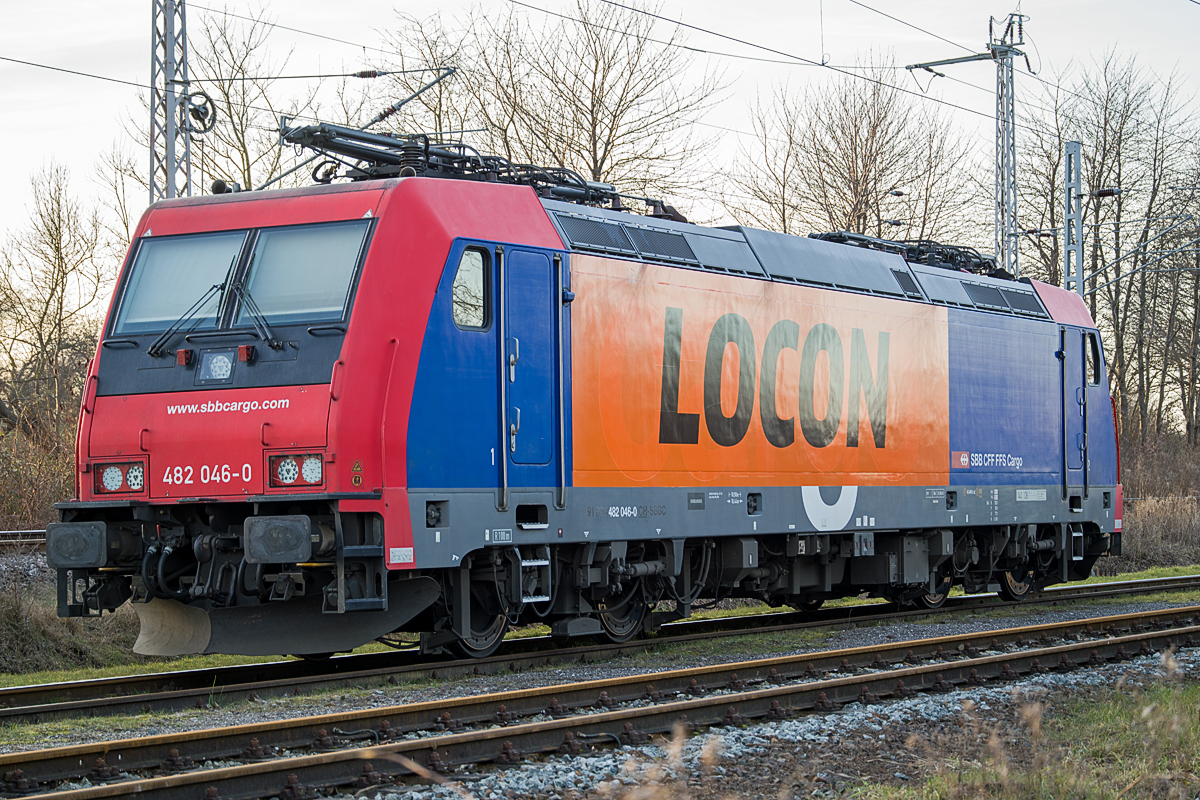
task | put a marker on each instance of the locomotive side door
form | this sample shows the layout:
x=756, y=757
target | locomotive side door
x=1072, y=344
x=529, y=368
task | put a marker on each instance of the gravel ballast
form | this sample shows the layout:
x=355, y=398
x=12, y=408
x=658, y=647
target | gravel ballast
x=820, y=755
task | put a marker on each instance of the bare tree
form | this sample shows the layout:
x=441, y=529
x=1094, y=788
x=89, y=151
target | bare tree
x=1135, y=129
x=855, y=154
x=594, y=92
x=52, y=278
x=766, y=177
x=445, y=110
x=228, y=62
x=124, y=192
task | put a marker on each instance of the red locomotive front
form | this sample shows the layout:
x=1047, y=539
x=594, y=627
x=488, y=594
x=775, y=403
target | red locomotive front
x=256, y=365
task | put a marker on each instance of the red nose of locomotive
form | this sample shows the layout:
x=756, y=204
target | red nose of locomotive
x=211, y=443
x=214, y=374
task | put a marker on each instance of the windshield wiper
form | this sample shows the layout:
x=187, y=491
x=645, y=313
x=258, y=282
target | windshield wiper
x=258, y=318
x=157, y=347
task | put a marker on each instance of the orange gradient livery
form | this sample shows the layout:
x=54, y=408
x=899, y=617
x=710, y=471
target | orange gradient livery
x=690, y=377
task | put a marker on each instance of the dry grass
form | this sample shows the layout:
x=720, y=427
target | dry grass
x=1158, y=532
x=34, y=637
x=1160, y=466
x=33, y=478
x=1105, y=744
x=1110, y=743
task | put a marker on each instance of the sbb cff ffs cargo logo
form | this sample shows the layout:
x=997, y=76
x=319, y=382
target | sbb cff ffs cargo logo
x=697, y=377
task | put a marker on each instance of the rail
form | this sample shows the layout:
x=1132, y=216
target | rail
x=167, y=691
x=507, y=727
x=19, y=540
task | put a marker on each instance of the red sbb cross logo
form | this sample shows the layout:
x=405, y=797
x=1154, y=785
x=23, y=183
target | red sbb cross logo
x=960, y=459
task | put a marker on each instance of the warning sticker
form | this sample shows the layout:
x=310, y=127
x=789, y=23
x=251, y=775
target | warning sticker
x=357, y=467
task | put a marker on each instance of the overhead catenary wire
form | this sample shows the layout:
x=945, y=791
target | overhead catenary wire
x=261, y=21
x=910, y=25
x=785, y=62
x=1032, y=74
x=273, y=111
x=75, y=72
x=802, y=59
x=365, y=73
x=680, y=45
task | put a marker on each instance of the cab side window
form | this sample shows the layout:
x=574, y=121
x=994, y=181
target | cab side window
x=471, y=291
x=1093, y=360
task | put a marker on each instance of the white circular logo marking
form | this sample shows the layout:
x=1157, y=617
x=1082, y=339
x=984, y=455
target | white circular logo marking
x=825, y=517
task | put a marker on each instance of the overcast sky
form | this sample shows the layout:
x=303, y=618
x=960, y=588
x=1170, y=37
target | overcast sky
x=52, y=116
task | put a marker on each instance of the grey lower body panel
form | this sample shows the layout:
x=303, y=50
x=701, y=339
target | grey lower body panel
x=472, y=521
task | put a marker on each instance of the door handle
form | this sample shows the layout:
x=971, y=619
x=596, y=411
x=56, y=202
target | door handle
x=513, y=358
x=142, y=440
x=513, y=429
x=89, y=393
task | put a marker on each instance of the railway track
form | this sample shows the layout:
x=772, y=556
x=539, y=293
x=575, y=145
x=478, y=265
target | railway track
x=294, y=757
x=159, y=692
x=22, y=541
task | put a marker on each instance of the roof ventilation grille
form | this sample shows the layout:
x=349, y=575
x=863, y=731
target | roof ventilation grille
x=592, y=234
x=986, y=296
x=661, y=244
x=908, y=284
x=1023, y=302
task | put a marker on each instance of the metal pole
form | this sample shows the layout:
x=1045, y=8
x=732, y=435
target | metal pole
x=1006, y=165
x=170, y=141
x=1001, y=49
x=1072, y=218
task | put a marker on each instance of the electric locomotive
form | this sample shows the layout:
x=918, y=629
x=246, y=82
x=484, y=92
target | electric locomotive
x=455, y=394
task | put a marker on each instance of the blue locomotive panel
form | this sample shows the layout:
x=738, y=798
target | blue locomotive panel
x=1005, y=400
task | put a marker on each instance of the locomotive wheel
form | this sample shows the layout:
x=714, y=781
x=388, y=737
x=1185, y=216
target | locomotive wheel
x=935, y=599
x=807, y=606
x=484, y=640
x=1016, y=583
x=625, y=621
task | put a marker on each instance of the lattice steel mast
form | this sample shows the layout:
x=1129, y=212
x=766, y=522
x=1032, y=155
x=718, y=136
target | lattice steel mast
x=1001, y=49
x=170, y=141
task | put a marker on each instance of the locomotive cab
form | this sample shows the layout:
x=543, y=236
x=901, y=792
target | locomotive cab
x=208, y=474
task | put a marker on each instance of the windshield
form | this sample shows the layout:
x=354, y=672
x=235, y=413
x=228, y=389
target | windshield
x=303, y=273
x=170, y=274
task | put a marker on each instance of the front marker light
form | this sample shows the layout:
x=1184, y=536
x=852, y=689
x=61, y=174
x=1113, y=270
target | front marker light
x=311, y=470
x=112, y=478
x=286, y=471
x=300, y=469
x=129, y=476
x=135, y=478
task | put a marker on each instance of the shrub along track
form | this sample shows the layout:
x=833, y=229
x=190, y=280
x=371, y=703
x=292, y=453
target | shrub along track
x=430, y=738
x=171, y=691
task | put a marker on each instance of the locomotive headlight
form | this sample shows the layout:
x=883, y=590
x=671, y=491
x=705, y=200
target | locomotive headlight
x=286, y=471
x=112, y=478
x=296, y=470
x=311, y=470
x=128, y=476
x=135, y=477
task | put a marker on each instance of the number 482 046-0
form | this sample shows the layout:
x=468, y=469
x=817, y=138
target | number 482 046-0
x=216, y=473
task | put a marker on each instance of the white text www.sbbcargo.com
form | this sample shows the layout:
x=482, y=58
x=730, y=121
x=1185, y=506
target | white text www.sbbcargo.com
x=220, y=406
